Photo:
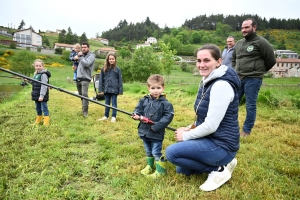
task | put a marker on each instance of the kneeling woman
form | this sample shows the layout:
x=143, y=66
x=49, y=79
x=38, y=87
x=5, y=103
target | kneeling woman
x=212, y=145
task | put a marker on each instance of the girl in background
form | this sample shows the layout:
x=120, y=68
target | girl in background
x=111, y=84
x=40, y=92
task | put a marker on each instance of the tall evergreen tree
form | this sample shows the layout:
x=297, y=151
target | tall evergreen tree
x=83, y=38
x=22, y=24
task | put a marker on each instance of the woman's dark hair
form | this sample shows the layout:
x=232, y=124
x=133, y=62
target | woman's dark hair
x=213, y=49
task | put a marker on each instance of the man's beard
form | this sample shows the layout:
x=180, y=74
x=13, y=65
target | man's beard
x=250, y=34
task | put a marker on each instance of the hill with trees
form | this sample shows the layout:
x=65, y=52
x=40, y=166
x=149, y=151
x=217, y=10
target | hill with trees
x=281, y=33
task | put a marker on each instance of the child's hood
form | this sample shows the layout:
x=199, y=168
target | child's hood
x=45, y=71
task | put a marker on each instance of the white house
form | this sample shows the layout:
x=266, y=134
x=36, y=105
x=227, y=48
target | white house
x=286, y=67
x=105, y=50
x=63, y=46
x=151, y=40
x=27, y=38
x=102, y=40
x=142, y=45
x=287, y=53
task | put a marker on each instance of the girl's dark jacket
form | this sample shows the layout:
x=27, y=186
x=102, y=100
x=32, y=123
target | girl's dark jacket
x=111, y=81
x=160, y=111
x=39, y=90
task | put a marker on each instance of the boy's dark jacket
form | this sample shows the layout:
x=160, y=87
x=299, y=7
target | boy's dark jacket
x=36, y=87
x=160, y=111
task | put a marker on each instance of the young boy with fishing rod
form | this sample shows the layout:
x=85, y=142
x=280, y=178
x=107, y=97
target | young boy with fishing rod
x=155, y=113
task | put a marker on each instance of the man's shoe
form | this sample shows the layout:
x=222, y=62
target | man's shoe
x=244, y=134
x=215, y=180
x=113, y=119
x=103, y=118
x=230, y=166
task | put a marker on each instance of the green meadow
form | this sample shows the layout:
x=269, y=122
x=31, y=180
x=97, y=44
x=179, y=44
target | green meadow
x=83, y=158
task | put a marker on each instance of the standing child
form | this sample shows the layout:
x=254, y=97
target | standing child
x=159, y=110
x=74, y=53
x=40, y=92
x=111, y=84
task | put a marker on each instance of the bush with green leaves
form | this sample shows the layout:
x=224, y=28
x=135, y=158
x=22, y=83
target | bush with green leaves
x=184, y=66
x=39, y=49
x=66, y=55
x=58, y=51
x=144, y=62
x=12, y=45
x=22, y=62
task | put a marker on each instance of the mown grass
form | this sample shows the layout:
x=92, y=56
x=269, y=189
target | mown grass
x=82, y=158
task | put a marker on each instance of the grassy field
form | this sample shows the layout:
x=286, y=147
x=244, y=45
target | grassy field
x=82, y=158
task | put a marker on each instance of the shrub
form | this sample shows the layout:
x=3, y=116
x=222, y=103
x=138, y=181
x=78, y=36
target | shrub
x=9, y=52
x=66, y=55
x=28, y=48
x=98, y=65
x=58, y=51
x=184, y=66
x=12, y=45
x=39, y=49
x=22, y=62
x=2, y=52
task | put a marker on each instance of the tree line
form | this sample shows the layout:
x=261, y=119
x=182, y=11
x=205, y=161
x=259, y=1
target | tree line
x=235, y=21
x=140, y=31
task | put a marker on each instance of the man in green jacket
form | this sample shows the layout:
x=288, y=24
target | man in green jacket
x=252, y=57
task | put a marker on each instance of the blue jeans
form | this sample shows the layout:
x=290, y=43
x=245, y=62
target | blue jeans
x=41, y=107
x=110, y=98
x=250, y=88
x=153, y=149
x=198, y=156
x=75, y=76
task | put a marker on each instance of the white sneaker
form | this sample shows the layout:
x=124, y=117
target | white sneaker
x=230, y=166
x=215, y=180
x=103, y=118
x=113, y=119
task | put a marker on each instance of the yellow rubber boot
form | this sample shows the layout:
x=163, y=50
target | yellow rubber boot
x=150, y=166
x=38, y=120
x=46, y=120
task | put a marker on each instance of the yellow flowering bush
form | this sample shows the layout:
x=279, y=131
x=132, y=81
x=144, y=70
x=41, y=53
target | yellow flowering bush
x=9, y=52
x=42, y=57
x=4, y=63
x=56, y=65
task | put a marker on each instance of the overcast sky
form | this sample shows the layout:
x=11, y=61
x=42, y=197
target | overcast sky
x=95, y=16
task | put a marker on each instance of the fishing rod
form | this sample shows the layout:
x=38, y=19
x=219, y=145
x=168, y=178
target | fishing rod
x=23, y=83
x=142, y=119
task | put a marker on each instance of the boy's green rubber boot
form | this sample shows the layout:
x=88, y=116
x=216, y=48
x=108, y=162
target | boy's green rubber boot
x=161, y=170
x=150, y=166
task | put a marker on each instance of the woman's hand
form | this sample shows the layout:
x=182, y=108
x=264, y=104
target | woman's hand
x=179, y=133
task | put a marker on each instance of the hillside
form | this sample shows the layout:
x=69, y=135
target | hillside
x=53, y=37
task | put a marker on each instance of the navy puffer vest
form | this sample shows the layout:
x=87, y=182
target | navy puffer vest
x=227, y=135
x=36, y=87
